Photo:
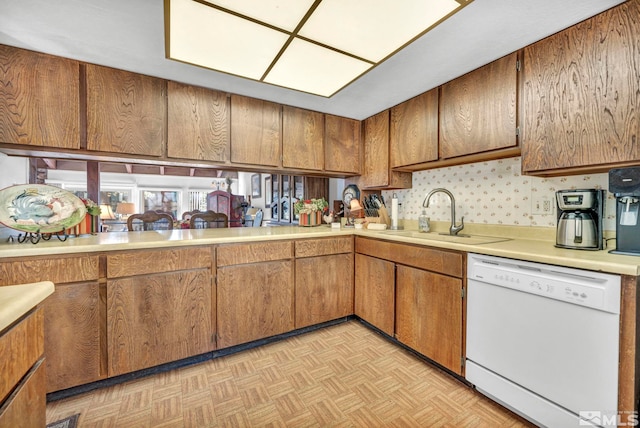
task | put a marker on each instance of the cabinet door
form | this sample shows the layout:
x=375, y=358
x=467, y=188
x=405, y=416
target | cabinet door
x=376, y=171
x=254, y=301
x=39, y=99
x=478, y=110
x=74, y=327
x=158, y=318
x=342, y=145
x=302, y=139
x=198, y=123
x=429, y=315
x=27, y=405
x=126, y=112
x=255, y=131
x=375, y=292
x=414, y=130
x=324, y=289
x=582, y=95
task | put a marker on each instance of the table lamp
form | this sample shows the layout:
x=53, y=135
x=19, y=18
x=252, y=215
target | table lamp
x=124, y=209
x=106, y=213
x=355, y=211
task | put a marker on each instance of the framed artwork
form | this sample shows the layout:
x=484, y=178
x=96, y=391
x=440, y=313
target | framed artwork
x=256, y=191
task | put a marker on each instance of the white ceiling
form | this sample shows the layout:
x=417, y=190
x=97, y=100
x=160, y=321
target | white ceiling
x=129, y=34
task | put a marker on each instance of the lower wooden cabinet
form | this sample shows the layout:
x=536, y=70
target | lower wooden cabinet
x=375, y=292
x=73, y=328
x=254, y=301
x=160, y=305
x=23, y=381
x=324, y=289
x=429, y=315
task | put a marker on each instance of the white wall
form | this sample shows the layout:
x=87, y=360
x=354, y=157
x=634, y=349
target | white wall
x=13, y=171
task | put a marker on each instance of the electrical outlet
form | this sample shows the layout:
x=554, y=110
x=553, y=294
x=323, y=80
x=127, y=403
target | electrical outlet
x=541, y=206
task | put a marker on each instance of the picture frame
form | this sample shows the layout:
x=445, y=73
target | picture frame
x=256, y=190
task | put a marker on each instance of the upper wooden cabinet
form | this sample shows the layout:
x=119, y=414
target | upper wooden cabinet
x=478, y=110
x=126, y=112
x=376, y=170
x=256, y=130
x=342, y=145
x=302, y=139
x=413, y=135
x=582, y=96
x=39, y=99
x=198, y=123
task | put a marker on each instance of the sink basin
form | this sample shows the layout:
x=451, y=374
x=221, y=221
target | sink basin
x=461, y=238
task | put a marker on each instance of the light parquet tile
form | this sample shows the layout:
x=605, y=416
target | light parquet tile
x=344, y=375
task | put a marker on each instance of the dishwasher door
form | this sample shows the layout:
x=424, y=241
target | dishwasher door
x=530, y=345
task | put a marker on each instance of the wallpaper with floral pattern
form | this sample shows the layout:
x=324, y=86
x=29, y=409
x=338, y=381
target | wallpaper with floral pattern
x=493, y=192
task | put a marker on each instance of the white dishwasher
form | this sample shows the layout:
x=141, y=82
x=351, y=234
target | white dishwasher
x=543, y=340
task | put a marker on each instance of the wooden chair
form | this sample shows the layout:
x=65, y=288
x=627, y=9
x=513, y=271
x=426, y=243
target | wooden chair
x=151, y=220
x=187, y=214
x=208, y=219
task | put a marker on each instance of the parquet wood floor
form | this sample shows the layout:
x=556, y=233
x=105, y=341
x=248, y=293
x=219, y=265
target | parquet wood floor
x=341, y=376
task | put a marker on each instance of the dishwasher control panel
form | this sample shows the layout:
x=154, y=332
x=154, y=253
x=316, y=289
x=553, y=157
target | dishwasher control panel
x=592, y=289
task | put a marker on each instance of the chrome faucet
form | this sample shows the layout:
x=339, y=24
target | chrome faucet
x=453, y=229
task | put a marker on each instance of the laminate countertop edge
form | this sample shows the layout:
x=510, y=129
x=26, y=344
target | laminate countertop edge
x=541, y=251
x=17, y=300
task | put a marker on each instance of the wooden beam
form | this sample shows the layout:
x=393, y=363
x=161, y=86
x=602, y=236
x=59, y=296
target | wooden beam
x=161, y=170
x=51, y=163
x=129, y=168
x=192, y=172
x=93, y=181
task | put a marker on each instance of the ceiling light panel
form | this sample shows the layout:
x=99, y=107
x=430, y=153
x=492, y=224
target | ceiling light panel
x=373, y=29
x=311, y=68
x=204, y=36
x=284, y=14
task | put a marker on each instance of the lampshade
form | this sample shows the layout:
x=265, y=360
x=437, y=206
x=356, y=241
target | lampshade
x=355, y=205
x=106, y=213
x=126, y=208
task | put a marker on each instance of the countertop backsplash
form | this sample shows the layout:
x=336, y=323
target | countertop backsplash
x=494, y=192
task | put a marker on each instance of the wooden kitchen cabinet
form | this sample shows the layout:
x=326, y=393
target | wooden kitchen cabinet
x=74, y=316
x=324, y=280
x=126, y=112
x=40, y=102
x=375, y=292
x=302, y=139
x=160, y=307
x=581, y=104
x=197, y=123
x=478, y=111
x=376, y=170
x=413, y=136
x=256, y=130
x=255, y=291
x=22, y=384
x=342, y=145
x=429, y=315
x=421, y=288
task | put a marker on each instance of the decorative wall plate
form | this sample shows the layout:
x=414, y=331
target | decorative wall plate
x=38, y=208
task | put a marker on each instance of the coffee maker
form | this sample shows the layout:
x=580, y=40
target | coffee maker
x=624, y=183
x=579, y=218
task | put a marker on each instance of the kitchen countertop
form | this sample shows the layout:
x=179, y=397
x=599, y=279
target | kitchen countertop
x=520, y=244
x=17, y=300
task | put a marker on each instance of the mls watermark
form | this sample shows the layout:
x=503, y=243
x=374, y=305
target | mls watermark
x=609, y=419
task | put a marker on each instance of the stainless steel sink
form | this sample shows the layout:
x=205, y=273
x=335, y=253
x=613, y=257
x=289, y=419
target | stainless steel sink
x=461, y=238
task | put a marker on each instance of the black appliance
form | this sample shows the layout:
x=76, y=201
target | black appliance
x=624, y=183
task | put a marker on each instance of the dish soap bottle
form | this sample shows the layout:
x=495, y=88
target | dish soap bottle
x=423, y=222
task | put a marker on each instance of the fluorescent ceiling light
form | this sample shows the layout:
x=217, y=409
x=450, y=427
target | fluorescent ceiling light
x=314, y=46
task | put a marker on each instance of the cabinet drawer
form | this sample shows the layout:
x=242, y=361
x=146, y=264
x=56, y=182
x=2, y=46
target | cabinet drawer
x=27, y=405
x=20, y=347
x=324, y=247
x=238, y=254
x=59, y=270
x=428, y=258
x=157, y=261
